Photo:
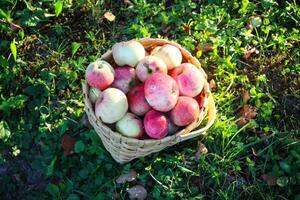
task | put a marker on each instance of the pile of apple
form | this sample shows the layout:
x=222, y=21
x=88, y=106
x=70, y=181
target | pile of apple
x=145, y=92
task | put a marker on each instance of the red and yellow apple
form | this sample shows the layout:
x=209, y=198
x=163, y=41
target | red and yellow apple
x=137, y=101
x=125, y=78
x=185, y=112
x=189, y=79
x=148, y=66
x=99, y=74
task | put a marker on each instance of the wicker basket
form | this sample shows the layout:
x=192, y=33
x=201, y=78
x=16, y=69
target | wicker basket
x=124, y=149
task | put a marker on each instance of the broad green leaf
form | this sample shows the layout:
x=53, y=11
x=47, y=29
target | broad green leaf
x=73, y=197
x=3, y=14
x=4, y=131
x=282, y=181
x=53, y=189
x=15, y=102
x=79, y=147
x=58, y=7
x=22, y=35
x=13, y=49
x=285, y=166
x=75, y=46
x=50, y=167
x=243, y=9
x=29, y=5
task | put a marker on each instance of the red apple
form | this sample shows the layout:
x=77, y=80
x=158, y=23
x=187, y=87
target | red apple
x=111, y=105
x=185, y=112
x=131, y=126
x=148, y=66
x=161, y=92
x=137, y=101
x=99, y=74
x=189, y=79
x=156, y=124
x=124, y=78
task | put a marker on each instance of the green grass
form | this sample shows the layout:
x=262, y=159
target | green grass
x=43, y=64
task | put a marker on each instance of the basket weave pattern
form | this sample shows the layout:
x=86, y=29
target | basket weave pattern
x=124, y=149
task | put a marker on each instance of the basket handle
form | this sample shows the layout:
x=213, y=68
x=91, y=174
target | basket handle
x=211, y=109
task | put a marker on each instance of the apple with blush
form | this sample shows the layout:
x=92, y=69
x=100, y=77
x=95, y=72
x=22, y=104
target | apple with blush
x=99, y=74
x=161, y=92
x=189, y=79
x=156, y=124
x=185, y=112
x=148, y=66
x=137, y=101
x=125, y=78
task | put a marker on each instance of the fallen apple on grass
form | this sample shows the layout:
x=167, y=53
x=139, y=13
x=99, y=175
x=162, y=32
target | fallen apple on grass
x=137, y=101
x=189, y=79
x=148, y=66
x=156, y=124
x=128, y=53
x=161, y=92
x=131, y=126
x=185, y=112
x=99, y=74
x=111, y=105
x=125, y=78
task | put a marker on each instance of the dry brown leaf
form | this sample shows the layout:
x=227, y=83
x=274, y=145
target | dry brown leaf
x=68, y=143
x=15, y=27
x=246, y=97
x=130, y=176
x=247, y=112
x=207, y=48
x=253, y=151
x=242, y=121
x=212, y=84
x=109, y=16
x=270, y=180
x=115, y=196
x=166, y=28
x=128, y=2
x=201, y=150
x=250, y=52
x=137, y=192
x=186, y=28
